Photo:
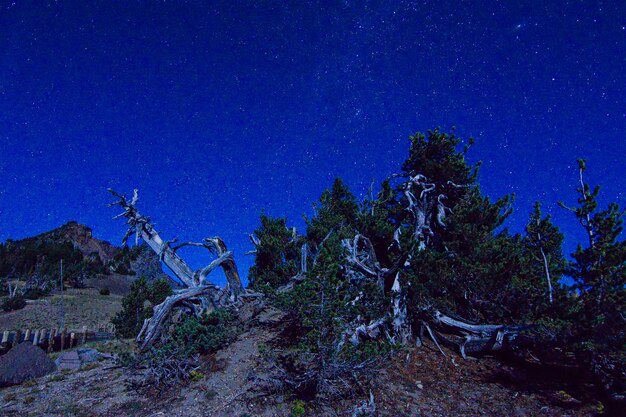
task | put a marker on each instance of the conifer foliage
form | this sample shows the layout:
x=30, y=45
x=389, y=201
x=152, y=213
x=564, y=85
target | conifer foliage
x=137, y=305
x=430, y=240
x=599, y=273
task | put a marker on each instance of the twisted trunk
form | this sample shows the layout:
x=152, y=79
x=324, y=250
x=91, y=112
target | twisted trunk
x=198, y=293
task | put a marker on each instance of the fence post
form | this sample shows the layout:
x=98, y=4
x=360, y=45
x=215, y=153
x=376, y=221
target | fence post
x=36, y=337
x=27, y=335
x=5, y=338
x=63, y=333
x=51, y=340
x=84, y=336
x=18, y=336
x=72, y=335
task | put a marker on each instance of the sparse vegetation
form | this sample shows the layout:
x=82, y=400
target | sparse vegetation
x=177, y=359
x=10, y=397
x=346, y=314
x=298, y=408
x=30, y=383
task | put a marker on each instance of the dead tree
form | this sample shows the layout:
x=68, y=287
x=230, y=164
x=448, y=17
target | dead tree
x=199, y=294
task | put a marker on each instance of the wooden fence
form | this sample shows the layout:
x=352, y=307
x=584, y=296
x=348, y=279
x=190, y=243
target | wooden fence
x=55, y=339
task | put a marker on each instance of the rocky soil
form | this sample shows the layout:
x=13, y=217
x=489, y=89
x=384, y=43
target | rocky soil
x=416, y=382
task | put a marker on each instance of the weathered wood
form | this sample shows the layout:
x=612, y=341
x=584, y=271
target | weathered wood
x=140, y=224
x=207, y=294
x=51, y=340
x=470, y=338
x=63, y=335
x=151, y=329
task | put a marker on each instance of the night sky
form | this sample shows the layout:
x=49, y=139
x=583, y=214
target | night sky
x=218, y=111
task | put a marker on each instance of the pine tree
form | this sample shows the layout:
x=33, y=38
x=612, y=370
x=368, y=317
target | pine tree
x=159, y=291
x=469, y=259
x=542, y=247
x=337, y=210
x=277, y=254
x=128, y=322
x=599, y=270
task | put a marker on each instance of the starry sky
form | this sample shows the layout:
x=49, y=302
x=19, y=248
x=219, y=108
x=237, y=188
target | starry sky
x=218, y=110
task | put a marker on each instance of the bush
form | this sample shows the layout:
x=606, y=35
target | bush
x=105, y=291
x=128, y=322
x=176, y=359
x=298, y=408
x=35, y=293
x=202, y=335
x=15, y=303
x=159, y=291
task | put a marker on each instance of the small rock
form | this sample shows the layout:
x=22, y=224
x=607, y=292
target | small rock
x=68, y=360
x=419, y=384
x=88, y=355
x=271, y=316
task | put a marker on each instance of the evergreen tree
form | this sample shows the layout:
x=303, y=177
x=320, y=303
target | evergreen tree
x=375, y=220
x=128, y=322
x=541, y=270
x=599, y=271
x=337, y=210
x=277, y=254
x=469, y=259
x=159, y=291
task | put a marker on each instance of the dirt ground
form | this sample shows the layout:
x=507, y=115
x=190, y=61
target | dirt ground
x=418, y=382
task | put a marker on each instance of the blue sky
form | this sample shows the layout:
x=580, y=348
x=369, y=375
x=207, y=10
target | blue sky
x=218, y=111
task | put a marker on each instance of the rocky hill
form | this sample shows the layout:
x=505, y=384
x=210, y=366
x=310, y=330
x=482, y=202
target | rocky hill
x=85, y=258
x=81, y=237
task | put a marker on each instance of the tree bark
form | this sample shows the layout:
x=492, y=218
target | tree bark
x=202, y=293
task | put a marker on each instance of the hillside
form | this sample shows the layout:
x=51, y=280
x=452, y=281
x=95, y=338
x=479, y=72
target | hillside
x=413, y=302
x=77, y=307
x=90, y=265
x=84, y=257
x=414, y=382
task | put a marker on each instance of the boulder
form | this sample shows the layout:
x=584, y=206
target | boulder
x=22, y=363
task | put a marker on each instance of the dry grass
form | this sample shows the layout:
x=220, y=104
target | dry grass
x=83, y=307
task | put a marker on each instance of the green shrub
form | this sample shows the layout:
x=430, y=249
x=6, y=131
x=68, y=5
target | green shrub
x=128, y=322
x=105, y=291
x=159, y=291
x=202, y=335
x=14, y=303
x=176, y=358
x=35, y=293
x=298, y=408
